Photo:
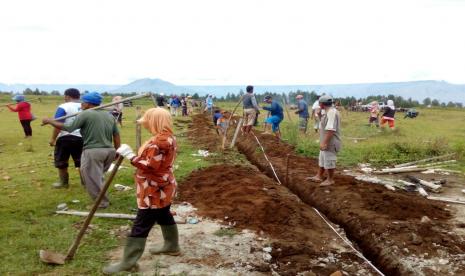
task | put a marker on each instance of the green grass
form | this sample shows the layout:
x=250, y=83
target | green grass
x=27, y=201
x=433, y=132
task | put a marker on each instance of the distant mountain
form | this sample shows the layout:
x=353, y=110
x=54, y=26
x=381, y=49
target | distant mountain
x=417, y=90
x=152, y=85
x=57, y=87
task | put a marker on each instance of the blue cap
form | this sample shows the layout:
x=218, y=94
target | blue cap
x=92, y=97
x=18, y=98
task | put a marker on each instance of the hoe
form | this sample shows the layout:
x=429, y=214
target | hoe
x=59, y=259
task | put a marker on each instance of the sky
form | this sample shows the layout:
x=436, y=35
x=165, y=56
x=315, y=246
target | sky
x=219, y=42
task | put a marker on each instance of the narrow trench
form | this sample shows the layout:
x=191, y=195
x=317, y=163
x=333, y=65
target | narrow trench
x=380, y=223
x=363, y=247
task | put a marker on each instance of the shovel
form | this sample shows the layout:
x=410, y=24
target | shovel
x=59, y=259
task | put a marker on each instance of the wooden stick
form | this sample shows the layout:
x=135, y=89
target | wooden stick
x=109, y=215
x=446, y=199
x=401, y=170
x=75, y=245
x=138, y=129
x=424, y=160
x=427, y=184
x=287, y=110
x=238, y=128
x=103, y=106
x=98, y=215
x=229, y=120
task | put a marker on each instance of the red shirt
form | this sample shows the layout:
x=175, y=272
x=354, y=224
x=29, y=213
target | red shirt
x=23, y=109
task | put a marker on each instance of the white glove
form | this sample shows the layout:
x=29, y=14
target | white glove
x=126, y=151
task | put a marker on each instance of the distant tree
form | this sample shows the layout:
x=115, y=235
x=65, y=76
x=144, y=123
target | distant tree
x=28, y=91
x=450, y=104
x=195, y=96
x=459, y=105
x=55, y=93
x=443, y=104
x=427, y=101
x=435, y=103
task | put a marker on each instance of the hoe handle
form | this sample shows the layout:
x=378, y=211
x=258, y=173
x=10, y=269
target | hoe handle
x=74, y=247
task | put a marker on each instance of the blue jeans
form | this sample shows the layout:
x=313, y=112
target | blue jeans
x=274, y=121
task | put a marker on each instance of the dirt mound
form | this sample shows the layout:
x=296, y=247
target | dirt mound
x=203, y=132
x=385, y=224
x=244, y=197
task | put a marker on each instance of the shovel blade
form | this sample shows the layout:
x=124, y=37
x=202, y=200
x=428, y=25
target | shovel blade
x=50, y=257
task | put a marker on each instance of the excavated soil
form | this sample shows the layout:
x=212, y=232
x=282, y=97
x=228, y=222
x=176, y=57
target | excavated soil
x=245, y=198
x=386, y=225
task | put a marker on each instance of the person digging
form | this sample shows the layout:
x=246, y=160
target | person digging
x=330, y=141
x=277, y=116
x=156, y=188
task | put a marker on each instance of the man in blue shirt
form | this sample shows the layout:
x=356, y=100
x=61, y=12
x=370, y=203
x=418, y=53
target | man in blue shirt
x=276, y=112
x=302, y=110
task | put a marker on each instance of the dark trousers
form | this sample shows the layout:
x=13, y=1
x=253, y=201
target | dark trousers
x=146, y=219
x=26, y=127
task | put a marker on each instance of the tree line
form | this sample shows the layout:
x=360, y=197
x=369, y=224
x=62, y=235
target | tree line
x=289, y=98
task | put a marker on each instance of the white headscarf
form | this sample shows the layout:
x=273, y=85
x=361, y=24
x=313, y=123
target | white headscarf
x=390, y=104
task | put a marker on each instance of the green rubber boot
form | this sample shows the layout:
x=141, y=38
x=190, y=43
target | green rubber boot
x=132, y=252
x=171, y=244
x=64, y=181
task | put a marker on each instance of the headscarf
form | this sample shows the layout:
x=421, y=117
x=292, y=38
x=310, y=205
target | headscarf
x=390, y=104
x=156, y=120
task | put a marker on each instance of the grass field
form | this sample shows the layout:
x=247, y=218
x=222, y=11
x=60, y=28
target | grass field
x=434, y=132
x=27, y=201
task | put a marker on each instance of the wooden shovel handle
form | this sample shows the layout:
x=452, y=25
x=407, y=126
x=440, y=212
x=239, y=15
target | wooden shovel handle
x=74, y=247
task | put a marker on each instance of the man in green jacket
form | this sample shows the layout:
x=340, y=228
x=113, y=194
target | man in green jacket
x=98, y=129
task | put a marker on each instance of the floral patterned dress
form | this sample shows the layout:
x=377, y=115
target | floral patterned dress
x=156, y=184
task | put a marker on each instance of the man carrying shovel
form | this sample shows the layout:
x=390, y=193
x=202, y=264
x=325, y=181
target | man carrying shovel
x=98, y=129
x=330, y=141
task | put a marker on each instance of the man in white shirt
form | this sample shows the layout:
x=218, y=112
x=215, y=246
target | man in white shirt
x=67, y=143
x=330, y=141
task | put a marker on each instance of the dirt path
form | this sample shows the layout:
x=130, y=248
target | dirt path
x=386, y=225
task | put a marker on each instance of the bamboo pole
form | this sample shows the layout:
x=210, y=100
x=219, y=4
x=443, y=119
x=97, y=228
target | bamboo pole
x=238, y=127
x=229, y=120
x=287, y=110
x=446, y=199
x=109, y=215
x=138, y=129
x=103, y=106
x=424, y=160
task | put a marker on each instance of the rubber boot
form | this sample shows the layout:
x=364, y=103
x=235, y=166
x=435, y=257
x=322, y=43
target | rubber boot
x=64, y=180
x=132, y=253
x=171, y=244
